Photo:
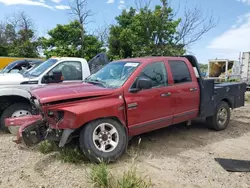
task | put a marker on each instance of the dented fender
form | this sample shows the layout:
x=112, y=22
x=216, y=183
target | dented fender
x=78, y=113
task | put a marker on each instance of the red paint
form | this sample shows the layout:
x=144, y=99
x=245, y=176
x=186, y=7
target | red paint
x=50, y=93
x=21, y=120
x=152, y=112
x=24, y=121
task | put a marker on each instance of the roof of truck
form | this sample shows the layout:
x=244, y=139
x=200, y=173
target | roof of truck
x=70, y=58
x=155, y=58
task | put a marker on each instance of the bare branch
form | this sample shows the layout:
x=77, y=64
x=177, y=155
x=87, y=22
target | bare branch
x=102, y=33
x=194, y=25
x=141, y=4
x=79, y=10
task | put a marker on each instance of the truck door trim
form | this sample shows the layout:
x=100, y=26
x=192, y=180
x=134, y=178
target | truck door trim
x=151, y=123
x=186, y=113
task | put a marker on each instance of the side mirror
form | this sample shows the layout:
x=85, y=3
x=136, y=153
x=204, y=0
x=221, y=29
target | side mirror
x=56, y=77
x=141, y=84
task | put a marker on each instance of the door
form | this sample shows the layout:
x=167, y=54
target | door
x=97, y=62
x=71, y=71
x=187, y=94
x=150, y=109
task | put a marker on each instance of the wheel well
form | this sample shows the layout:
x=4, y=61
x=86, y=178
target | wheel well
x=228, y=102
x=6, y=101
x=77, y=131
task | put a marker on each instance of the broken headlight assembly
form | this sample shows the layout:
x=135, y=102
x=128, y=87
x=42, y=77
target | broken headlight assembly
x=57, y=116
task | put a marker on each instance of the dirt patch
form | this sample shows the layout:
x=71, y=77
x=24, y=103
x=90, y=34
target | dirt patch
x=176, y=156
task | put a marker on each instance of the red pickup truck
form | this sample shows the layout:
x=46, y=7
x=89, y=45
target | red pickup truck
x=126, y=98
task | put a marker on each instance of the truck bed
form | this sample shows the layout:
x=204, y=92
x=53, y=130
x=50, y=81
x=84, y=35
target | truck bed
x=212, y=93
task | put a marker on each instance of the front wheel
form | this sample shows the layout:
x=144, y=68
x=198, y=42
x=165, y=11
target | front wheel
x=220, y=120
x=15, y=110
x=103, y=140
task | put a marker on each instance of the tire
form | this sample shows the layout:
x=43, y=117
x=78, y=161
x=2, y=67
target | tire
x=92, y=149
x=215, y=122
x=8, y=112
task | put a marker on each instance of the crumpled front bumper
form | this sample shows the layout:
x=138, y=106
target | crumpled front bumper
x=32, y=129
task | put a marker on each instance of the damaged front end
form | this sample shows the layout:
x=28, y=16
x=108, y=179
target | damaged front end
x=34, y=129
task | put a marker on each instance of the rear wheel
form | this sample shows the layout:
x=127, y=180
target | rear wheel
x=220, y=120
x=15, y=110
x=103, y=140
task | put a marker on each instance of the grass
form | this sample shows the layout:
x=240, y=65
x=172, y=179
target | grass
x=46, y=147
x=100, y=177
x=131, y=179
x=247, y=97
x=67, y=154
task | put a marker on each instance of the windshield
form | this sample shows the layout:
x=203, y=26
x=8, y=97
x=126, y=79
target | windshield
x=42, y=67
x=10, y=66
x=114, y=74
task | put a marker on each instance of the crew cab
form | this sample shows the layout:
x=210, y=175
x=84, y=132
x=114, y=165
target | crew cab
x=127, y=98
x=14, y=87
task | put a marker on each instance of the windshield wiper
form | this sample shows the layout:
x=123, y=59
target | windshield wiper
x=97, y=81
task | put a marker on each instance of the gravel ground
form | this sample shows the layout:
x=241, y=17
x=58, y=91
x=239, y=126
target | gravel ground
x=176, y=156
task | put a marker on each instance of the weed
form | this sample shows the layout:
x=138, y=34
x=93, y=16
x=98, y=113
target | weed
x=99, y=176
x=71, y=155
x=247, y=97
x=130, y=179
x=46, y=147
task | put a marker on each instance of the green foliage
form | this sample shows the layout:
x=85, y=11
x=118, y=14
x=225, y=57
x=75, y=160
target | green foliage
x=46, y=147
x=17, y=40
x=3, y=50
x=67, y=154
x=247, y=97
x=203, y=67
x=99, y=176
x=143, y=33
x=65, y=40
x=71, y=155
x=130, y=179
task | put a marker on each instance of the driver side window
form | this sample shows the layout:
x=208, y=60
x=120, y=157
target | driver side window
x=71, y=70
x=157, y=73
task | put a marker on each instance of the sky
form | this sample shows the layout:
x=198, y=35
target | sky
x=230, y=36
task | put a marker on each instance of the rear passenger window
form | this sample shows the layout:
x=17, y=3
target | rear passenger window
x=179, y=71
x=157, y=73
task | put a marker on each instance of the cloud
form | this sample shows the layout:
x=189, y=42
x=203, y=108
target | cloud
x=25, y=2
x=244, y=1
x=56, y=1
x=234, y=40
x=110, y=1
x=121, y=4
x=62, y=7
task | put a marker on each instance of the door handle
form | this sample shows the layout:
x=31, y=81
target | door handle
x=193, y=89
x=165, y=94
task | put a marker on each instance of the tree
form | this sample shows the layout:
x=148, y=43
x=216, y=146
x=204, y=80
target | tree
x=203, y=67
x=17, y=36
x=80, y=12
x=64, y=40
x=145, y=32
x=148, y=32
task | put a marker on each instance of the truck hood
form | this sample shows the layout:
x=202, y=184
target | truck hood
x=60, y=92
x=12, y=78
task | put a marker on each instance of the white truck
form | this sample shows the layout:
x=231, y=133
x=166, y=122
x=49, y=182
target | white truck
x=14, y=88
